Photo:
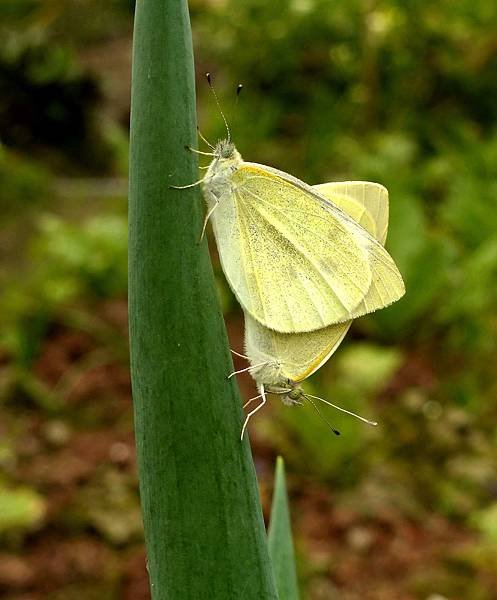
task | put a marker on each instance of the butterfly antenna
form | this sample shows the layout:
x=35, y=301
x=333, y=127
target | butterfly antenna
x=204, y=139
x=208, y=75
x=335, y=431
x=309, y=396
x=239, y=88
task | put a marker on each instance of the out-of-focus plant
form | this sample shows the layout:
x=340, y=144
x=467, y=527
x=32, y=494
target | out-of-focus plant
x=48, y=100
x=86, y=259
x=23, y=184
x=20, y=508
x=71, y=263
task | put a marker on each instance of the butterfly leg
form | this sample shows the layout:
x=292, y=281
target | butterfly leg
x=190, y=185
x=252, y=412
x=216, y=200
x=246, y=369
x=190, y=149
x=206, y=220
x=251, y=400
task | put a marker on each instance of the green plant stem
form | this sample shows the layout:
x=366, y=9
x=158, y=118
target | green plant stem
x=203, y=523
x=280, y=538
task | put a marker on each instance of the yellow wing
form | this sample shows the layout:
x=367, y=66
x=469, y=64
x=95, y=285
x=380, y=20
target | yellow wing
x=374, y=198
x=366, y=202
x=295, y=261
x=296, y=356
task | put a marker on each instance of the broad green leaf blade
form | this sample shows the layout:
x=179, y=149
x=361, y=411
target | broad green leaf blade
x=280, y=538
x=203, y=521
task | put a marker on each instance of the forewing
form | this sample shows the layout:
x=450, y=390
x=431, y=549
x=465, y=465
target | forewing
x=304, y=263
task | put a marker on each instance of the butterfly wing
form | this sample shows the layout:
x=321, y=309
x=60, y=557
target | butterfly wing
x=296, y=356
x=295, y=261
x=374, y=198
x=366, y=202
x=292, y=356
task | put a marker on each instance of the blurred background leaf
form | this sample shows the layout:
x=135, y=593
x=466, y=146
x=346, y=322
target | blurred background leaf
x=20, y=508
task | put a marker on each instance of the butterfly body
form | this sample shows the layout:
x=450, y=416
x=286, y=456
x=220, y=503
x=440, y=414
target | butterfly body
x=217, y=181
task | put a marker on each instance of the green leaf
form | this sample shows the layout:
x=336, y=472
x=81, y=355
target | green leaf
x=280, y=538
x=20, y=508
x=203, y=521
x=485, y=521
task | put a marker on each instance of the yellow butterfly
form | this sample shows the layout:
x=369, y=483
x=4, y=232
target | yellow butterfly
x=302, y=261
x=280, y=361
x=295, y=261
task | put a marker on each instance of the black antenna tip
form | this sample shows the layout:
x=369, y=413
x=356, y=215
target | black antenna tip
x=336, y=432
x=239, y=89
x=208, y=75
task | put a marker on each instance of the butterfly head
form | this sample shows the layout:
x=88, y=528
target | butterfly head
x=226, y=161
x=293, y=395
x=225, y=150
x=289, y=391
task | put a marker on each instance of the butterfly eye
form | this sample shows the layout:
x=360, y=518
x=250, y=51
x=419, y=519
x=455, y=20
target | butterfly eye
x=227, y=150
x=294, y=394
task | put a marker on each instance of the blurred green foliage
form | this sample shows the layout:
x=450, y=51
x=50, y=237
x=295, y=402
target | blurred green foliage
x=48, y=99
x=20, y=508
x=24, y=183
x=359, y=373
x=87, y=261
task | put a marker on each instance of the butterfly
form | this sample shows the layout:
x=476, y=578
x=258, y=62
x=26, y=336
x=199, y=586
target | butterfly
x=279, y=362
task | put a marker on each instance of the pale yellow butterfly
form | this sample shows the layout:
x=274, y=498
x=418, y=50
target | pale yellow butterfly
x=278, y=361
x=295, y=261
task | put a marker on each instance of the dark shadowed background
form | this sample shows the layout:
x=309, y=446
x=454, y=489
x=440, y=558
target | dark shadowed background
x=402, y=93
